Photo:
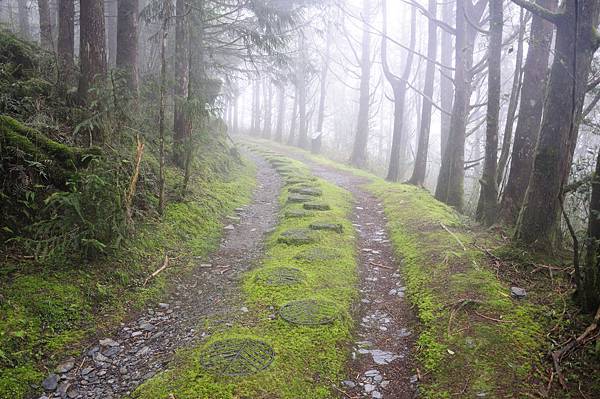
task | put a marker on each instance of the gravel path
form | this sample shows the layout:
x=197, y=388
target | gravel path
x=381, y=365
x=143, y=346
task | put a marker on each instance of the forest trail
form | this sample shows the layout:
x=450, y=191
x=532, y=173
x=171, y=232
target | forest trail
x=381, y=356
x=113, y=367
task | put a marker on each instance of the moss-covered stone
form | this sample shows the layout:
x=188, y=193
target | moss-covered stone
x=298, y=213
x=316, y=206
x=317, y=254
x=298, y=199
x=312, y=191
x=337, y=227
x=297, y=237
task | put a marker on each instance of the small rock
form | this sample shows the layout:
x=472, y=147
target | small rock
x=414, y=379
x=86, y=370
x=378, y=378
x=143, y=352
x=65, y=367
x=349, y=384
x=50, y=383
x=376, y=395
x=163, y=305
x=123, y=370
x=72, y=393
x=369, y=388
x=63, y=387
x=110, y=352
x=372, y=373
x=147, y=327
x=108, y=342
x=230, y=227
x=384, y=384
x=518, y=293
x=99, y=357
x=136, y=334
x=244, y=309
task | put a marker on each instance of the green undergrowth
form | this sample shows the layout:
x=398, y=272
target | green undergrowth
x=47, y=311
x=474, y=339
x=308, y=359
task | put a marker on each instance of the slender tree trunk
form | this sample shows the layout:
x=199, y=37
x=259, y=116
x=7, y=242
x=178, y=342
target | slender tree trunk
x=450, y=184
x=66, y=44
x=589, y=289
x=92, y=50
x=236, y=112
x=127, y=42
x=181, y=123
x=399, y=86
x=291, y=137
x=301, y=87
x=359, y=150
x=512, y=103
x=446, y=84
x=45, y=25
x=24, y=25
x=489, y=186
x=161, y=118
x=281, y=112
x=535, y=77
x=111, y=17
x=324, y=71
x=576, y=42
x=268, y=109
x=420, y=169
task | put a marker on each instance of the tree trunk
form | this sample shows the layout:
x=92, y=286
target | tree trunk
x=399, y=86
x=301, y=87
x=451, y=178
x=489, y=186
x=181, y=123
x=291, y=136
x=446, y=84
x=589, y=289
x=420, y=169
x=535, y=77
x=92, y=50
x=324, y=71
x=45, y=25
x=66, y=44
x=236, y=111
x=111, y=19
x=268, y=108
x=359, y=150
x=24, y=25
x=161, y=117
x=512, y=103
x=127, y=43
x=575, y=47
x=281, y=112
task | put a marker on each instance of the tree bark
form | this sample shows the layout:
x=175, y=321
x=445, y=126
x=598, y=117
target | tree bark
x=535, y=77
x=301, y=87
x=576, y=42
x=324, y=71
x=111, y=20
x=65, y=47
x=281, y=112
x=489, y=186
x=420, y=168
x=446, y=84
x=45, y=25
x=512, y=103
x=24, y=25
x=399, y=87
x=92, y=50
x=268, y=89
x=181, y=122
x=291, y=137
x=589, y=289
x=127, y=43
x=359, y=150
x=451, y=178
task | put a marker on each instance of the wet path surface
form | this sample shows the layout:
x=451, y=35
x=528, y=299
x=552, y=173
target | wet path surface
x=381, y=365
x=142, y=347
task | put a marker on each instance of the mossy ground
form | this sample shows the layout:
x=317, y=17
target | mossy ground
x=47, y=311
x=474, y=337
x=308, y=359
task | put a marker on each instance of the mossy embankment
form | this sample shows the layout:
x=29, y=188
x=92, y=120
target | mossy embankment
x=299, y=264
x=475, y=340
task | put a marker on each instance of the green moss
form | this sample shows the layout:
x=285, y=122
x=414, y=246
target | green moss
x=307, y=358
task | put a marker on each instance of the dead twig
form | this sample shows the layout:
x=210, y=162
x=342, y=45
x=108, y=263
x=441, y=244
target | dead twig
x=454, y=236
x=160, y=269
x=492, y=319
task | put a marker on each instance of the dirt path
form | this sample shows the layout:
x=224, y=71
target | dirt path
x=381, y=365
x=116, y=365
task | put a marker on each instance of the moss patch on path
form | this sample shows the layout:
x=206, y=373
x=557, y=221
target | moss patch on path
x=307, y=358
x=475, y=340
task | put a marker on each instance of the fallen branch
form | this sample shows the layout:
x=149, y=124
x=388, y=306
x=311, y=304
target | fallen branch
x=492, y=319
x=160, y=269
x=134, y=179
x=454, y=236
x=573, y=344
